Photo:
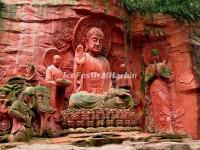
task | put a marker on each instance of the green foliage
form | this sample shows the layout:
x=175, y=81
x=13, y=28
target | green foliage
x=2, y=5
x=182, y=10
x=197, y=30
x=154, y=52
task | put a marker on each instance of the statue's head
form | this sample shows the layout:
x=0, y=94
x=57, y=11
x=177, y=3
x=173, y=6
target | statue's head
x=155, y=55
x=25, y=96
x=94, y=40
x=56, y=60
x=30, y=68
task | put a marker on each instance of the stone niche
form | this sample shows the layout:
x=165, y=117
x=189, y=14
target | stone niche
x=33, y=31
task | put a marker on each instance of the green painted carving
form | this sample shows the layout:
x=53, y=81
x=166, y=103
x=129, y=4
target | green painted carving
x=115, y=98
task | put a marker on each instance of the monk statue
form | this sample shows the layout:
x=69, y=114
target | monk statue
x=93, y=85
x=55, y=82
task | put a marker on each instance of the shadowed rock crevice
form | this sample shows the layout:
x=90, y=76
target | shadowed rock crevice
x=195, y=45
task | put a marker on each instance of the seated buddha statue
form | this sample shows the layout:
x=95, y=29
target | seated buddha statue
x=93, y=85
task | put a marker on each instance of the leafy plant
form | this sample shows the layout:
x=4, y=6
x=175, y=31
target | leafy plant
x=182, y=10
x=196, y=30
x=2, y=5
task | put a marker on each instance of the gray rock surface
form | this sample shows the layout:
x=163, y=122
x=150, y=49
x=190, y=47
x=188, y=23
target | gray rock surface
x=126, y=145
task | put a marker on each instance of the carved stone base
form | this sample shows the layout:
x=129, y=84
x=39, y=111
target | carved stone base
x=102, y=129
x=94, y=118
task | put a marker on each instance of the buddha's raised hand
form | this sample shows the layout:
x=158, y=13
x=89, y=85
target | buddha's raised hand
x=80, y=54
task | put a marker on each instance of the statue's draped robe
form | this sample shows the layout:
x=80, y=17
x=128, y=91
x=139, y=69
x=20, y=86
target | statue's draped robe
x=160, y=97
x=161, y=105
x=91, y=80
x=93, y=75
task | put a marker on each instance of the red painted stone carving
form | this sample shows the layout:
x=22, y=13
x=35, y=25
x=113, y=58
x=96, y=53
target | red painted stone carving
x=2, y=75
x=25, y=38
x=177, y=122
x=91, y=62
x=63, y=43
x=62, y=40
x=157, y=74
x=5, y=120
x=31, y=73
x=117, y=60
x=89, y=59
x=55, y=82
x=84, y=25
x=85, y=118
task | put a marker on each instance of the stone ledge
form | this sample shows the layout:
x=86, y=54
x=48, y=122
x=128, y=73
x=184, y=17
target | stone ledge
x=108, y=141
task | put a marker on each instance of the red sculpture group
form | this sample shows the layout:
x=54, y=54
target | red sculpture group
x=74, y=91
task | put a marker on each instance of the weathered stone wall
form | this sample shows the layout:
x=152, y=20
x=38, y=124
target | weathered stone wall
x=183, y=90
x=28, y=27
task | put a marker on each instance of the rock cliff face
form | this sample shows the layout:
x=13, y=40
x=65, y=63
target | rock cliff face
x=30, y=27
x=183, y=89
